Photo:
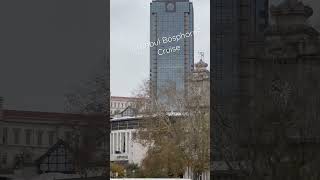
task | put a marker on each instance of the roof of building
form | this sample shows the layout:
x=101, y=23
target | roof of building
x=89, y=178
x=201, y=64
x=53, y=116
x=124, y=118
x=124, y=98
x=291, y=7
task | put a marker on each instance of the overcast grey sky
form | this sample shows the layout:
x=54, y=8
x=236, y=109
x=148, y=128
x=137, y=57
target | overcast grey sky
x=130, y=24
x=130, y=27
x=47, y=49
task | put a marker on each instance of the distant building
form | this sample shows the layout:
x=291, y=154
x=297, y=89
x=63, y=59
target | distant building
x=200, y=82
x=118, y=104
x=279, y=112
x=123, y=148
x=26, y=136
x=168, y=19
x=238, y=30
x=128, y=112
x=289, y=63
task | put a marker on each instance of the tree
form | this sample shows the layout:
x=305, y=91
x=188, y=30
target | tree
x=90, y=96
x=117, y=170
x=23, y=158
x=279, y=148
x=276, y=144
x=91, y=99
x=133, y=171
x=176, y=140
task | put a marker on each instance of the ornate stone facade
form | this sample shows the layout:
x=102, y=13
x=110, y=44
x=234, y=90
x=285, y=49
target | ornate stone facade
x=279, y=118
x=288, y=67
x=29, y=135
x=200, y=83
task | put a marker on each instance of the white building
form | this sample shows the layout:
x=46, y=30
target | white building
x=118, y=104
x=123, y=147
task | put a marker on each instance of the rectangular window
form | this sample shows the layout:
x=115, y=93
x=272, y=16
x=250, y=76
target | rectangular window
x=119, y=143
x=128, y=143
x=39, y=135
x=123, y=142
x=28, y=136
x=4, y=158
x=111, y=143
x=51, y=137
x=16, y=132
x=114, y=142
x=5, y=136
x=116, y=151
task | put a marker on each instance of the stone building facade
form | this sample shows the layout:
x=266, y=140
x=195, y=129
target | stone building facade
x=123, y=148
x=118, y=104
x=277, y=109
x=288, y=66
x=279, y=114
x=29, y=135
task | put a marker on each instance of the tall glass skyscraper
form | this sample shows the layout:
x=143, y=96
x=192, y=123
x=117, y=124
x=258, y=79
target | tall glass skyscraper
x=170, y=18
x=238, y=28
x=237, y=31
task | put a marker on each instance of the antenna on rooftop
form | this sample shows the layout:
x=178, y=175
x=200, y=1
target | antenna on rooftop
x=201, y=53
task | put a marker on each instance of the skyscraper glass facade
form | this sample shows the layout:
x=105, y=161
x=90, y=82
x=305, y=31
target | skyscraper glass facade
x=225, y=58
x=235, y=25
x=237, y=29
x=171, y=18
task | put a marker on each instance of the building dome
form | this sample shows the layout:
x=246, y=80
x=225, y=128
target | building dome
x=297, y=37
x=291, y=7
x=201, y=65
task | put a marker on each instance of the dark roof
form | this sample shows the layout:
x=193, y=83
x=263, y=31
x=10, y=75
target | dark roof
x=33, y=115
x=287, y=7
x=88, y=178
x=125, y=98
